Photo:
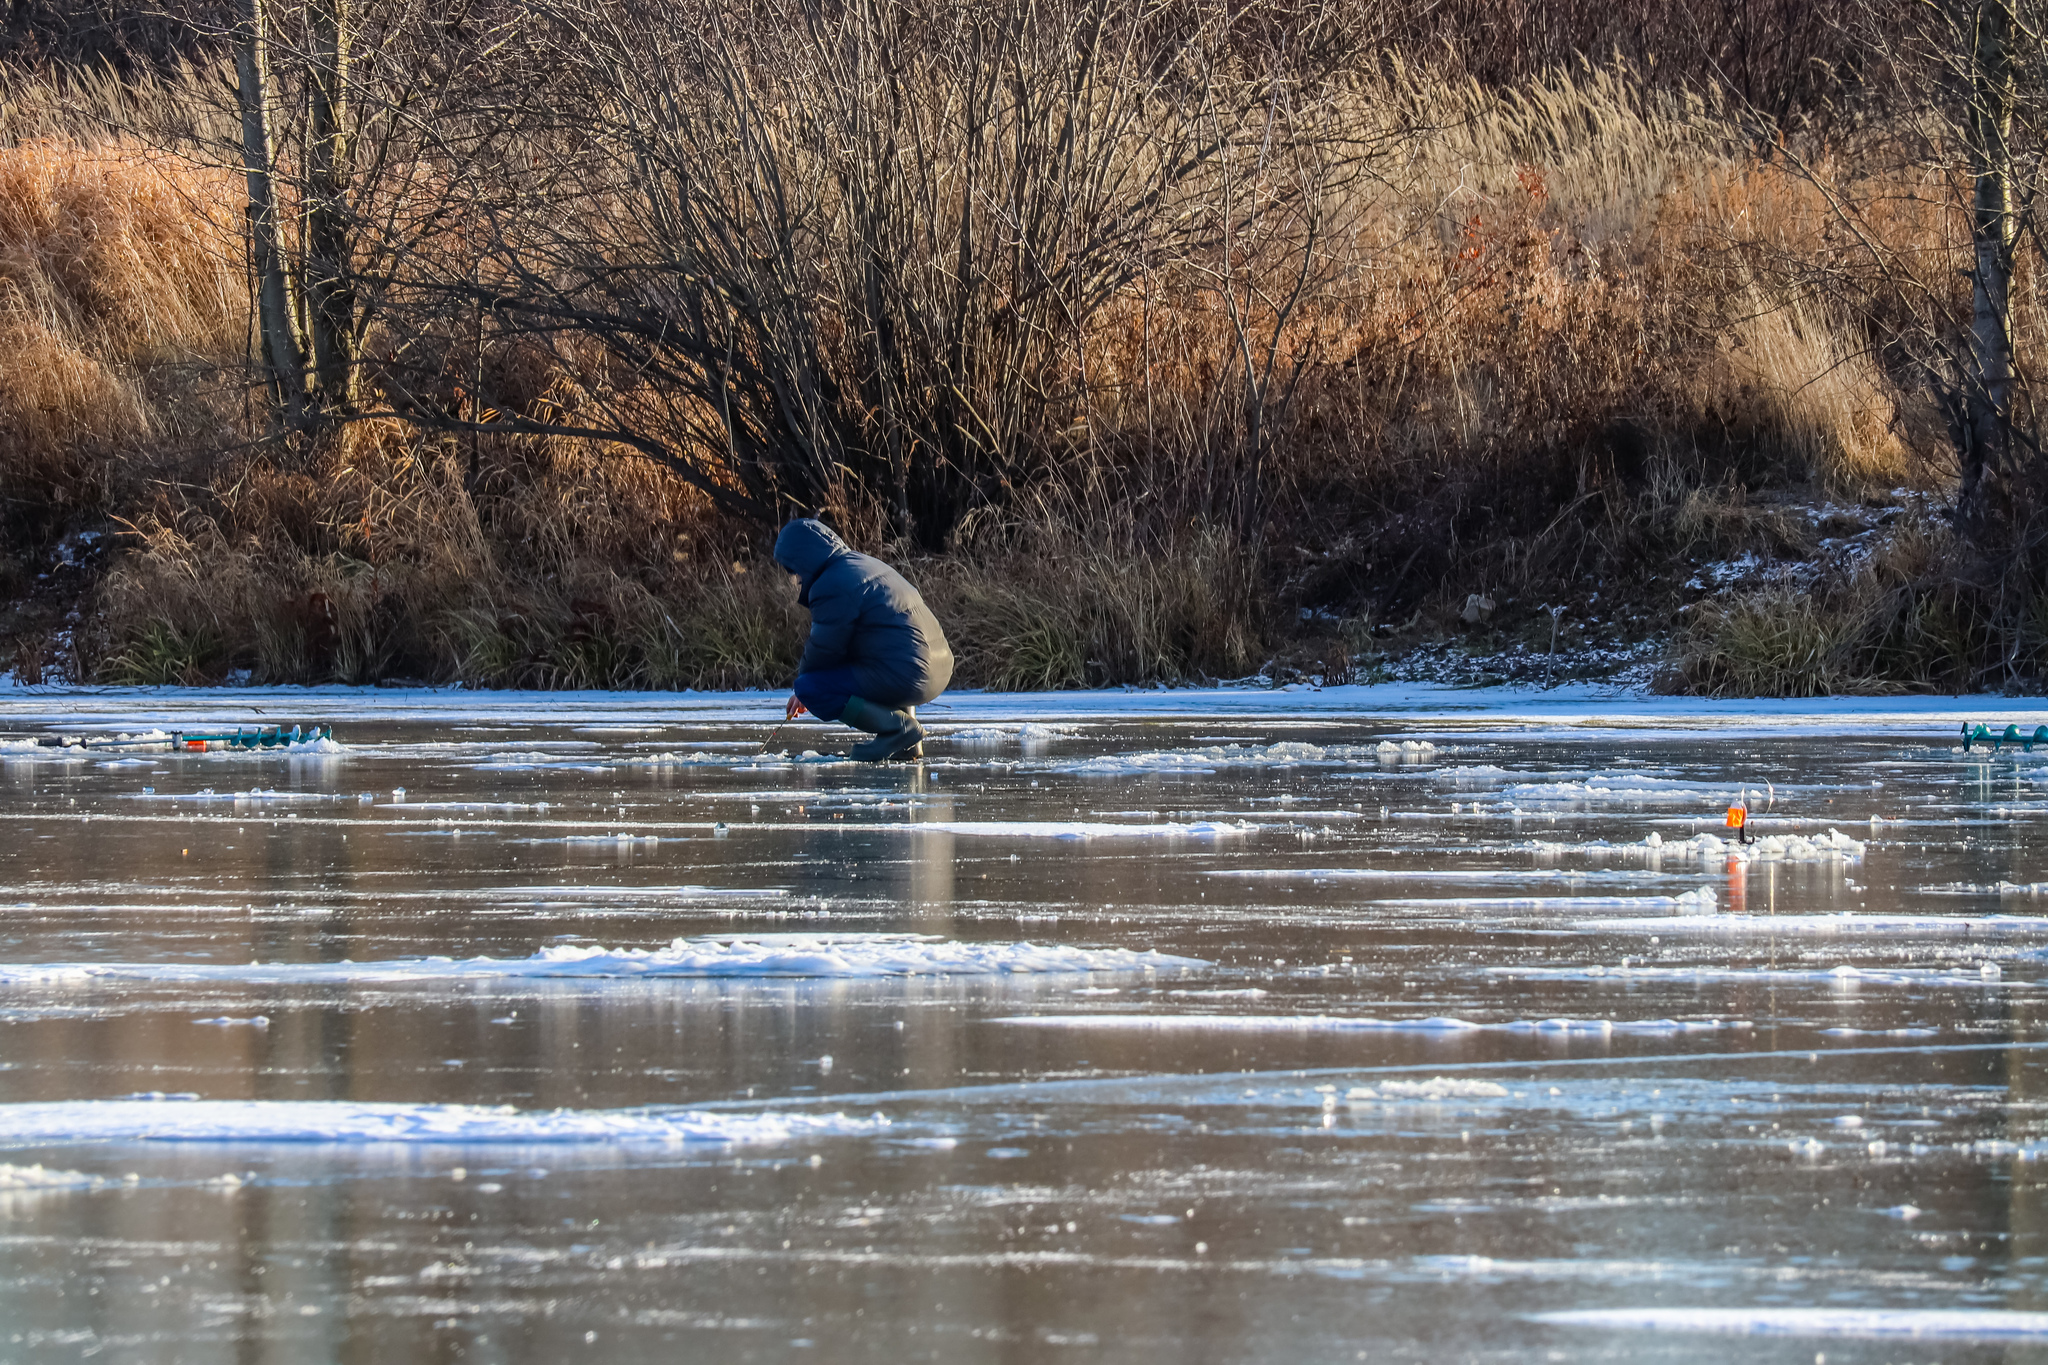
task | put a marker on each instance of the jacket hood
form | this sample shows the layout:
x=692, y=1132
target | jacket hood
x=806, y=546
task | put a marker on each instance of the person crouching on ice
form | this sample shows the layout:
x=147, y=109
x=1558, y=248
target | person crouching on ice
x=875, y=651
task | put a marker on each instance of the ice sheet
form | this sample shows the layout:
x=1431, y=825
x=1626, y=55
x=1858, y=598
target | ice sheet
x=68, y=1123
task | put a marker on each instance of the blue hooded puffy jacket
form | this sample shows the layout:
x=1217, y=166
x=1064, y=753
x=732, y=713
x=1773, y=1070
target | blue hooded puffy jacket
x=864, y=616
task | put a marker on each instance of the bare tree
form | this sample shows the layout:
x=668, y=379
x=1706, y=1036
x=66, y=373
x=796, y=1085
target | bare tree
x=330, y=298
x=283, y=354
x=805, y=253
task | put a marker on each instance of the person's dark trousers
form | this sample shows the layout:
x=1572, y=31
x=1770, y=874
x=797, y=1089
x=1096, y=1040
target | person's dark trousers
x=825, y=693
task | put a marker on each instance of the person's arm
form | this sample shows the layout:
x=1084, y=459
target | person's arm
x=834, y=613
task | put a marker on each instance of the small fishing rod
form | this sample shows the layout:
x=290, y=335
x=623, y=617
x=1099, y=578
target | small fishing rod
x=796, y=709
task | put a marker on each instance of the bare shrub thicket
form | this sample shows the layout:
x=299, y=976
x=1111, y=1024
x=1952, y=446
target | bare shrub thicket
x=1139, y=328
x=862, y=257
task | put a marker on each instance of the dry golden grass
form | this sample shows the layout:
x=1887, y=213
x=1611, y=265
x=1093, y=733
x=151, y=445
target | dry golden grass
x=1535, y=341
x=113, y=262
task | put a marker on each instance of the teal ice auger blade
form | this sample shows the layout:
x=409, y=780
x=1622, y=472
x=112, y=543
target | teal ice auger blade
x=262, y=737
x=1981, y=734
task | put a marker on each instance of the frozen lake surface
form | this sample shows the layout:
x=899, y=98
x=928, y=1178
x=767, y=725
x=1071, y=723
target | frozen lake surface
x=1388, y=1024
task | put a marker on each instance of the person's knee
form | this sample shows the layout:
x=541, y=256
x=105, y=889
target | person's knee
x=822, y=694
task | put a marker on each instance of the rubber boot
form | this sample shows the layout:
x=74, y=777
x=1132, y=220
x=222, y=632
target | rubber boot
x=896, y=733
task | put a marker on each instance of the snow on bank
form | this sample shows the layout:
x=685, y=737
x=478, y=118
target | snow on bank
x=1327, y=1023
x=719, y=955
x=1954, y=1324
x=80, y=1122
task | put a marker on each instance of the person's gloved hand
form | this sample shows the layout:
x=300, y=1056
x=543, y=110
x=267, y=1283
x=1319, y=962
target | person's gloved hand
x=793, y=710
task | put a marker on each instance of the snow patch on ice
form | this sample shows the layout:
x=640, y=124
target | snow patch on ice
x=1698, y=900
x=717, y=955
x=38, y=1177
x=1844, y=976
x=1609, y=786
x=1437, y=874
x=999, y=734
x=1442, y=1088
x=1331, y=1023
x=809, y=758
x=1969, y=1324
x=1074, y=829
x=1286, y=754
x=1832, y=846
x=1848, y=922
x=78, y=1122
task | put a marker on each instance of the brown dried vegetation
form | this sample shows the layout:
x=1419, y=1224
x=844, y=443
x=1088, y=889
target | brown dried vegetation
x=1539, y=340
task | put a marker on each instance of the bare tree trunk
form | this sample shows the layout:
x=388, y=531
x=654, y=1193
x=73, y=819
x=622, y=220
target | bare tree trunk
x=1989, y=128
x=281, y=350
x=331, y=310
